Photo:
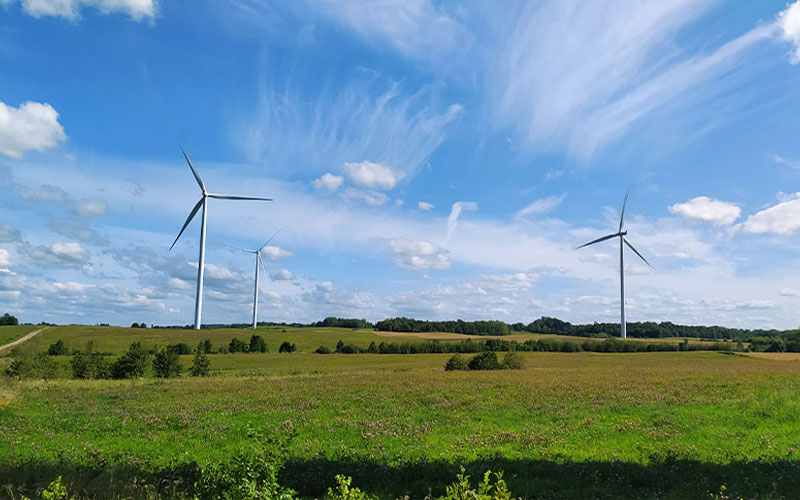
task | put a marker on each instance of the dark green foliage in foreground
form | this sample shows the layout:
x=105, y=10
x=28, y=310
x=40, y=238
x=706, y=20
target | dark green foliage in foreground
x=92, y=365
x=181, y=348
x=457, y=362
x=512, y=361
x=257, y=344
x=206, y=346
x=58, y=349
x=287, y=347
x=38, y=365
x=237, y=345
x=485, y=361
x=166, y=364
x=8, y=320
x=200, y=363
x=133, y=364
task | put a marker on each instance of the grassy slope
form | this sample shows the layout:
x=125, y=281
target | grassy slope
x=12, y=333
x=683, y=423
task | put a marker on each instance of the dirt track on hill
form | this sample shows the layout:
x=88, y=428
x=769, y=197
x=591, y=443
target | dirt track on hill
x=23, y=339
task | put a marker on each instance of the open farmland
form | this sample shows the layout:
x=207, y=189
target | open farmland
x=645, y=425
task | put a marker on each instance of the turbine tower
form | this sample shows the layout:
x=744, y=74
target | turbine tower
x=259, y=262
x=622, y=242
x=198, y=305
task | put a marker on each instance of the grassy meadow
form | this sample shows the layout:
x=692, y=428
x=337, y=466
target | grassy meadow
x=568, y=425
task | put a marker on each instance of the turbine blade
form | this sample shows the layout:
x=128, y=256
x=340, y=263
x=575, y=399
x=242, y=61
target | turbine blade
x=237, y=248
x=271, y=238
x=188, y=220
x=598, y=240
x=624, y=204
x=637, y=253
x=196, y=175
x=263, y=266
x=234, y=197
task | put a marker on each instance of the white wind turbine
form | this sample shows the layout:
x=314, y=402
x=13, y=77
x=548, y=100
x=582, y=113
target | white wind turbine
x=198, y=306
x=622, y=240
x=259, y=262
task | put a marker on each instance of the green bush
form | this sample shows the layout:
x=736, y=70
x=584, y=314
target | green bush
x=206, y=346
x=181, y=348
x=257, y=344
x=132, y=364
x=322, y=350
x=54, y=491
x=237, y=345
x=200, y=363
x=486, y=490
x=457, y=362
x=58, y=349
x=484, y=361
x=37, y=365
x=167, y=364
x=344, y=491
x=512, y=361
x=287, y=347
x=90, y=366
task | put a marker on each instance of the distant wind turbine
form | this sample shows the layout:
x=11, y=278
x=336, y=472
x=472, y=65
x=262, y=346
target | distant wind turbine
x=259, y=262
x=198, y=306
x=622, y=240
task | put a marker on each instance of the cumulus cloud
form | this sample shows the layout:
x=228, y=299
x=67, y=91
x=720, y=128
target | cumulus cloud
x=455, y=213
x=70, y=9
x=783, y=218
x=274, y=253
x=5, y=257
x=90, y=207
x=541, y=206
x=419, y=254
x=281, y=275
x=705, y=209
x=63, y=254
x=45, y=192
x=372, y=175
x=425, y=206
x=9, y=234
x=789, y=25
x=329, y=181
x=33, y=126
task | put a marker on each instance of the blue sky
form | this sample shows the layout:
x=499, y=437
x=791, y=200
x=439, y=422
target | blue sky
x=432, y=159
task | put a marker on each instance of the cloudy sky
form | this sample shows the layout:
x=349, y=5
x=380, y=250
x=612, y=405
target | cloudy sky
x=427, y=158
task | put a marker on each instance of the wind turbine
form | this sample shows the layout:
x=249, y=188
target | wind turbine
x=259, y=262
x=622, y=241
x=198, y=305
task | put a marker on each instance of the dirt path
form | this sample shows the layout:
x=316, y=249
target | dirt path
x=23, y=339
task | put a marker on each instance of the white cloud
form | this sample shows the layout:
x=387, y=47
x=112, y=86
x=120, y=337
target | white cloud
x=373, y=198
x=33, y=126
x=9, y=234
x=5, y=257
x=789, y=24
x=275, y=253
x=783, y=218
x=455, y=212
x=45, y=192
x=372, y=175
x=795, y=164
x=705, y=209
x=329, y=181
x=419, y=254
x=541, y=206
x=68, y=254
x=70, y=9
x=281, y=275
x=425, y=206
x=90, y=207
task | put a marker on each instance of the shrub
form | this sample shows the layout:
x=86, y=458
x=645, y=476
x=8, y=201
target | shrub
x=200, y=363
x=33, y=366
x=8, y=320
x=339, y=346
x=457, y=362
x=167, y=364
x=484, y=361
x=135, y=325
x=206, y=346
x=257, y=344
x=512, y=361
x=58, y=349
x=287, y=347
x=90, y=366
x=132, y=364
x=322, y=350
x=181, y=348
x=344, y=491
x=463, y=490
x=373, y=348
x=237, y=345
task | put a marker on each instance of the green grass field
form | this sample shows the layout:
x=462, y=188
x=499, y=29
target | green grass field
x=579, y=425
x=12, y=333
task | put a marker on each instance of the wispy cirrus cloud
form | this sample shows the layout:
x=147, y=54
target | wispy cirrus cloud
x=71, y=9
